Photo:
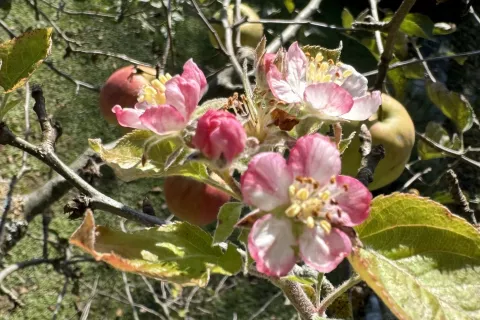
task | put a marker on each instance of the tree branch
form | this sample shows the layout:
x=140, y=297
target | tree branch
x=371, y=156
x=393, y=27
x=292, y=29
x=459, y=197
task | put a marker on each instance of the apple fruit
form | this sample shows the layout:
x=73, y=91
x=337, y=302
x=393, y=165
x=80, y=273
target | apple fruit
x=250, y=33
x=122, y=88
x=395, y=132
x=193, y=201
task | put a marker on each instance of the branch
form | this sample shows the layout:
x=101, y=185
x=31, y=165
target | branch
x=300, y=22
x=378, y=34
x=119, y=56
x=449, y=152
x=393, y=27
x=46, y=154
x=459, y=197
x=371, y=156
x=292, y=29
x=229, y=39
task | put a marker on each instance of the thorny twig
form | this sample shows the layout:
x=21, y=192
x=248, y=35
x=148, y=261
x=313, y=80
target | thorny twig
x=459, y=197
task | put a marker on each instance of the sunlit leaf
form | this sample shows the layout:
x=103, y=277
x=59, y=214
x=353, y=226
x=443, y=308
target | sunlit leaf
x=344, y=143
x=11, y=103
x=417, y=25
x=347, y=18
x=226, y=220
x=437, y=133
x=177, y=252
x=22, y=55
x=214, y=104
x=453, y=105
x=420, y=259
x=327, y=54
x=443, y=28
x=290, y=5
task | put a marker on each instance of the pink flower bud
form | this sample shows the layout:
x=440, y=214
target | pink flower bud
x=219, y=135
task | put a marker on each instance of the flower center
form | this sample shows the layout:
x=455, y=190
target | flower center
x=315, y=205
x=319, y=70
x=154, y=93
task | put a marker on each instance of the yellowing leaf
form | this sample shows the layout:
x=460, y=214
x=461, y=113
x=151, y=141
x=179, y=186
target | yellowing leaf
x=453, y=105
x=420, y=259
x=177, y=252
x=22, y=55
x=437, y=133
x=347, y=18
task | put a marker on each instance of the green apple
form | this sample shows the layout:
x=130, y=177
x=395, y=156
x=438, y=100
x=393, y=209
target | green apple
x=250, y=33
x=395, y=132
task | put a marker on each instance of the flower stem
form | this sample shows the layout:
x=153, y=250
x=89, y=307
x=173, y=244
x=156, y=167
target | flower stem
x=337, y=293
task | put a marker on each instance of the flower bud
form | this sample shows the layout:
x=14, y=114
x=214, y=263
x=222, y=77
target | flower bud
x=219, y=136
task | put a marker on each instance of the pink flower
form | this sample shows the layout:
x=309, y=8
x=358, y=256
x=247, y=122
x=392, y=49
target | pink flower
x=329, y=91
x=263, y=67
x=307, y=203
x=219, y=135
x=167, y=104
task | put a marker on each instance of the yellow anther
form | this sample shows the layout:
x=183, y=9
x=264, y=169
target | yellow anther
x=333, y=179
x=327, y=78
x=324, y=66
x=292, y=191
x=302, y=194
x=168, y=76
x=325, y=195
x=293, y=210
x=310, y=222
x=331, y=62
x=158, y=85
x=319, y=57
x=141, y=98
x=148, y=90
x=326, y=226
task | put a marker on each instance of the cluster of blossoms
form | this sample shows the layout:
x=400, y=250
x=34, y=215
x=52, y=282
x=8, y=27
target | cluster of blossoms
x=305, y=206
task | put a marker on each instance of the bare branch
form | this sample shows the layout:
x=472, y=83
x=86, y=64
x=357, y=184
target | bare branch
x=459, y=197
x=371, y=156
x=129, y=296
x=293, y=28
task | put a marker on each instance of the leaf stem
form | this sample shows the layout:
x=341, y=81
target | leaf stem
x=325, y=303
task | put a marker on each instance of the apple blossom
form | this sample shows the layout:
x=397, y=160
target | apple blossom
x=306, y=204
x=167, y=104
x=328, y=90
x=220, y=136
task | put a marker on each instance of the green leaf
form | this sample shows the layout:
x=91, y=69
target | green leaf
x=417, y=25
x=443, y=28
x=309, y=281
x=290, y=5
x=177, y=252
x=333, y=54
x=414, y=71
x=8, y=106
x=22, y=55
x=420, y=259
x=459, y=60
x=227, y=218
x=347, y=18
x=344, y=143
x=214, y=104
x=437, y=133
x=453, y=105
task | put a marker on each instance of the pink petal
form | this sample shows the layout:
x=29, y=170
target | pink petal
x=265, y=183
x=162, y=119
x=280, y=88
x=192, y=71
x=364, y=107
x=315, y=156
x=329, y=98
x=183, y=94
x=297, y=68
x=323, y=251
x=354, y=203
x=356, y=84
x=128, y=117
x=270, y=244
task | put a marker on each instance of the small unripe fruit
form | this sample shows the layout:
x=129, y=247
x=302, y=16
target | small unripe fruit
x=193, y=201
x=395, y=132
x=250, y=33
x=122, y=88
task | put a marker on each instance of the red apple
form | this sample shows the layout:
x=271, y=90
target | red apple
x=193, y=201
x=122, y=88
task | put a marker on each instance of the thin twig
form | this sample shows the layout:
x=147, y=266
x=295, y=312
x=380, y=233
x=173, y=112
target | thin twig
x=78, y=83
x=60, y=297
x=292, y=29
x=424, y=63
x=119, y=56
x=86, y=309
x=405, y=63
x=168, y=11
x=155, y=297
x=415, y=177
x=337, y=293
x=129, y=296
x=378, y=34
x=265, y=305
x=393, y=27
x=78, y=13
x=298, y=22
x=238, y=18
x=229, y=39
x=459, y=197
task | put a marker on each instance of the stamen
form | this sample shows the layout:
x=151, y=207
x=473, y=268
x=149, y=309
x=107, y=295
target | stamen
x=302, y=194
x=326, y=226
x=345, y=187
x=310, y=222
x=292, y=191
x=293, y=210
